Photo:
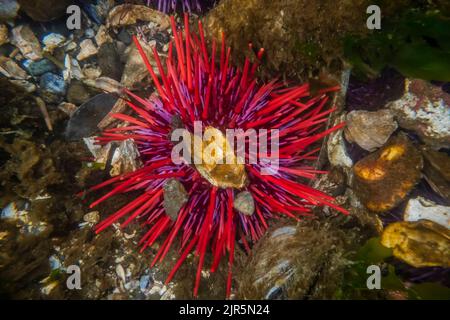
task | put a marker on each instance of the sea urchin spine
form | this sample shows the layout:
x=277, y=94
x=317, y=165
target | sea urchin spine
x=194, y=88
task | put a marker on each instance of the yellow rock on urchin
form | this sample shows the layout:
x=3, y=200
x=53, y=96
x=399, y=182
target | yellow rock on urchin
x=420, y=244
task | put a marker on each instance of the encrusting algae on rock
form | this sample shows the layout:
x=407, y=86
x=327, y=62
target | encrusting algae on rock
x=384, y=178
x=421, y=244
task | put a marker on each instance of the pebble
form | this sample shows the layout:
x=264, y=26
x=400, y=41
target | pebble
x=8, y=9
x=420, y=208
x=53, y=41
x=37, y=68
x=10, y=69
x=244, y=203
x=24, y=39
x=424, y=109
x=87, y=50
x=370, y=130
x=52, y=86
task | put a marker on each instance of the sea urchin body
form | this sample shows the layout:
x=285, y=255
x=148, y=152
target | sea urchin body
x=193, y=87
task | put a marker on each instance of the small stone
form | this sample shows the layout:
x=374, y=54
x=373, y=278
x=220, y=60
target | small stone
x=109, y=61
x=71, y=46
x=8, y=9
x=384, y=178
x=10, y=69
x=37, y=68
x=3, y=34
x=92, y=217
x=105, y=84
x=337, y=152
x=124, y=36
x=425, y=109
x=78, y=93
x=67, y=108
x=53, y=87
x=370, y=130
x=135, y=69
x=24, y=39
x=421, y=244
x=91, y=73
x=25, y=85
x=244, y=203
x=87, y=50
x=120, y=273
x=424, y=209
x=44, y=10
x=125, y=158
x=89, y=33
x=437, y=171
x=72, y=69
x=53, y=41
x=102, y=36
x=175, y=196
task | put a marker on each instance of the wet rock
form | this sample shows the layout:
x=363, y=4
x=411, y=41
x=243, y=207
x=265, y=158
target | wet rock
x=44, y=10
x=24, y=39
x=135, y=69
x=91, y=73
x=421, y=244
x=53, y=41
x=67, y=108
x=25, y=85
x=437, y=171
x=87, y=50
x=337, y=152
x=92, y=217
x=105, y=84
x=72, y=69
x=78, y=93
x=424, y=109
x=8, y=9
x=3, y=34
x=370, y=130
x=84, y=121
x=109, y=61
x=52, y=87
x=124, y=36
x=424, y=209
x=126, y=14
x=244, y=203
x=9, y=68
x=384, y=178
x=102, y=36
x=175, y=196
x=37, y=68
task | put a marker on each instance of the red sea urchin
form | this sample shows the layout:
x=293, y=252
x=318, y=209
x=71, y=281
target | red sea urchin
x=185, y=5
x=195, y=88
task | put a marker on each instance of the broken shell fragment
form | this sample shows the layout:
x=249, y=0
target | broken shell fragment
x=244, y=203
x=424, y=209
x=175, y=196
x=384, y=178
x=421, y=244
